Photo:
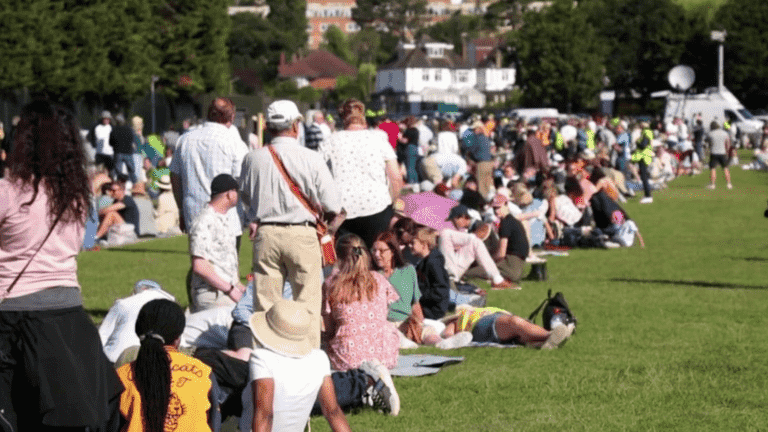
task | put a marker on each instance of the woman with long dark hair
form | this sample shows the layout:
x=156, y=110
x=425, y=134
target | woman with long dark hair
x=165, y=389
x=53, y=372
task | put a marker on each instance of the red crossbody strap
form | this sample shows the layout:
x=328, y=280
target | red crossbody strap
x=303, y=199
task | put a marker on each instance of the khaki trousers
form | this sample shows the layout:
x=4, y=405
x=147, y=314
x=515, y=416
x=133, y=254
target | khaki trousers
x=291, y=252
x=485, y=178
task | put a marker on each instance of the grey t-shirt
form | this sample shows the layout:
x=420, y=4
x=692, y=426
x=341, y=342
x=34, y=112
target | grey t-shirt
x=717, y=139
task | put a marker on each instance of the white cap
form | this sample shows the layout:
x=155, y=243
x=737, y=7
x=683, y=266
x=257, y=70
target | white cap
x=282, y=113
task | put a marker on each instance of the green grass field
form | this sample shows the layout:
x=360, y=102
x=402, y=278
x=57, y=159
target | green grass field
x=670, y=337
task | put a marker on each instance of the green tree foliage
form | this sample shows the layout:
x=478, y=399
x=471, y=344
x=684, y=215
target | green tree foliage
x=358, y=87
x=257, y=43
x=746, y=49
x=506, y=13
x=395, y=16
x=644, y=39
x=289, y=18
x=68, y=49
x=194, y=46
x=337, y=43
x=460, y=26
x=366, y=46
x=109, y=50
x=560, y=57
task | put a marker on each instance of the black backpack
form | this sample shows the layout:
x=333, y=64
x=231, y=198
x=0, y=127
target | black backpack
x=553, y=306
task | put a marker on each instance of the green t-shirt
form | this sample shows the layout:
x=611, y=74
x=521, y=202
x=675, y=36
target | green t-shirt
x=406, y=284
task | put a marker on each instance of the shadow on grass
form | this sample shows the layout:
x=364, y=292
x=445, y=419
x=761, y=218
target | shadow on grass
x=691, y=283
x=759, y=259
x=165, y=251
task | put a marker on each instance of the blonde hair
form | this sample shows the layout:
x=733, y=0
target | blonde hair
x=352, y=111
x=354, y=280
x=428, y=236
x=520, y=194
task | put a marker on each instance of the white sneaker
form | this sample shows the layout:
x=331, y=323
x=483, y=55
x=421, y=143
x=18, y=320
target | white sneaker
x=711, y=187
x=382, y=395
x=459, y=340
x=646, y=200
x=557, y=337
x=611, y=245
x=729, y=186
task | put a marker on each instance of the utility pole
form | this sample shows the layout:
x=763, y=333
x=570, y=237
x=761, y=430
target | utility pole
x=719, y=36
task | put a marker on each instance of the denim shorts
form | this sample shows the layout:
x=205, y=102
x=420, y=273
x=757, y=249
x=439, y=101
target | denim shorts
x=485, y=329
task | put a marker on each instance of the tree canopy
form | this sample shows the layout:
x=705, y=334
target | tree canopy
x=111, y=49
x=561, y=62
x=398, y=17
x=746, y=49
x=643, y=39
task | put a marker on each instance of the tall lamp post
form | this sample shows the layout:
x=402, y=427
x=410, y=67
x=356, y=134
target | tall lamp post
x=719, y=37
x=155, y=78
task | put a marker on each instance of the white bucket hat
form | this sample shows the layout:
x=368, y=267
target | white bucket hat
x=284, y=328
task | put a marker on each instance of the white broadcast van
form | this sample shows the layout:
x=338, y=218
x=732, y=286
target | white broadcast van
x=713, y=105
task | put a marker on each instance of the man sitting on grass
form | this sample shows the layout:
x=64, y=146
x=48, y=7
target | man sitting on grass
x=123, y=210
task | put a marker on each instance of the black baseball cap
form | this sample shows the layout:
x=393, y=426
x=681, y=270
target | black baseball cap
x=223, y=183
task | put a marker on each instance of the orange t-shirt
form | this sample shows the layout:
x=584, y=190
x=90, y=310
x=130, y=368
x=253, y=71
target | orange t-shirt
x=188, y=406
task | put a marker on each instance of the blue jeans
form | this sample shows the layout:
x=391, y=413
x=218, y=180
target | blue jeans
x=91, y=226
x=127, y=159
x=411, y=163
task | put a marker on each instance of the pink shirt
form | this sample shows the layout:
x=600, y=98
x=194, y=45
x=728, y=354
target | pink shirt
x=22, y=230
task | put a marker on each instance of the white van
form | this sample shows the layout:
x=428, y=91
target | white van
x=713, y=105
x=529, y=114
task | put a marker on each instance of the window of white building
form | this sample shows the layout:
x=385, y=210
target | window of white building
x=438, y=75
x=425, y=74
x=462, y=76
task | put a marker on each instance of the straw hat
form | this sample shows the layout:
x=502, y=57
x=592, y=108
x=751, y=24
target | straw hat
x=284, y=328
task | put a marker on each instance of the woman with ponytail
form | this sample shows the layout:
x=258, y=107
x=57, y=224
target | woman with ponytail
x=355, y=305
x=166, y=390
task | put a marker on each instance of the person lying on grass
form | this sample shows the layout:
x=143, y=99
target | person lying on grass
x=499, y=326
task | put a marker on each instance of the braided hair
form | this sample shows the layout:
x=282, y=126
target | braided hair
x=160, y=323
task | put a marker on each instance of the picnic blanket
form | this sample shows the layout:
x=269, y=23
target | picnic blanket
x=422, y=364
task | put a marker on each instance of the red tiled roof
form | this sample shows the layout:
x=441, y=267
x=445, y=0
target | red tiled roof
x=318, y=64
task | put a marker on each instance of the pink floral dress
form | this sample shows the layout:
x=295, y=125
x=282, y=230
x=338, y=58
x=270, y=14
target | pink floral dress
x=360, y=329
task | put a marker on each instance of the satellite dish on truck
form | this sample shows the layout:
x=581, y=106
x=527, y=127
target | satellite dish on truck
x=681, y=77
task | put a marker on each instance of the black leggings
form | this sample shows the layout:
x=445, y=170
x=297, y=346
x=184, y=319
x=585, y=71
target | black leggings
x=644, y=177
x=368, y=227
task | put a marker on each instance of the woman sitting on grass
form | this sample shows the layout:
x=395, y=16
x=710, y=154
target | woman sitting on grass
x=355, y=305
x=165, y=389
x=406, y=312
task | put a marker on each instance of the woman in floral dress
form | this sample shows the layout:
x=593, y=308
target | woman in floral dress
x=355, y=306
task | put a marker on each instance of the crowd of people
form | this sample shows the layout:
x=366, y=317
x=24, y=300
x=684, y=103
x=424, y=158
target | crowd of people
x=318, y=324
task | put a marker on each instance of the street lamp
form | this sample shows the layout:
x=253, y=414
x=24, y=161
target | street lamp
x=719, y=36
x=155, y=78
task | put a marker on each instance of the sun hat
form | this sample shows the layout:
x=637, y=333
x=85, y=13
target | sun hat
x=106, y=114
x=478, y=124
x=164, y=183
x=284, y=328
x=283, y=113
